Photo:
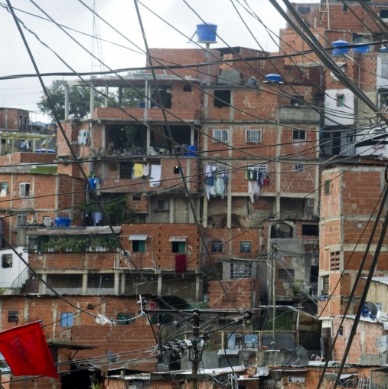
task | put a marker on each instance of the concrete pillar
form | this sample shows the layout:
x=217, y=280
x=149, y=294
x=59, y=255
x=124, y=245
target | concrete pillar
x=66, y=102
x=160, y=284
x=84, y=283
x=117, y=284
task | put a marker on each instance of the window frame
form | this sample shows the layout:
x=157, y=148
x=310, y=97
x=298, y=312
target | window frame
x=245, y=243
x=138, y=246
x=299, y=134
x=6, y=258
x=24, y=189
x=219, y=135
x=67, y=319
x=240, y=270
x=217, y=246
x=249, y=132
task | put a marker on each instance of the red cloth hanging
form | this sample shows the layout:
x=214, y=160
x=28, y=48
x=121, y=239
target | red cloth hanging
x=26, y=351
x=180, y=263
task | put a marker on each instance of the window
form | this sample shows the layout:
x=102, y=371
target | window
x=325, y=285
x=384, y=13
x=286, y=275
x=310, y=229
x=136, y=198
x=335, y=260
x=21, y=220
x=252, y=136
x=126, y=169
x=138, y=246
x=162, y=205
x=217, y=246
x=297, y=101
x=178, y=247
x=299, y=167
x=6, y=260
x=187, y=88
x=340, y=100
x=67, y=319
x=245, y=246
x=13, y=316
x=3, y=189
x=177, y=170
x=240, y=270
x=299, y=134
x=303, y=9
x=125, y=318
x=222, y=98
x=221, y=136
x=326, y=187
x=24, y=189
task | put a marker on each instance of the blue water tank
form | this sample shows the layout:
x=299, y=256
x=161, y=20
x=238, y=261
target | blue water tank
x=340, y=47
x=191, y=151
x=276, y=78
x=363, y=48
x=206, y=33
x=384, y=49
x=62, y=222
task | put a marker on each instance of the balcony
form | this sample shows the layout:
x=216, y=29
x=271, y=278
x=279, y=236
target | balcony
x=294, y=114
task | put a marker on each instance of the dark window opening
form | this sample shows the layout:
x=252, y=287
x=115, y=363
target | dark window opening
x=13, y=316
x=136, y=198
x=6, y=260
x=281, y=230
x=299, y=134
x=178, y=247
x=314, y=272
x=222, y=98
x=297, y=101
x=187, y=88
x=126, y=169
x=177, y=169
x=217, y=246
x=310, y=230
x=138, y=246
x=384, y=13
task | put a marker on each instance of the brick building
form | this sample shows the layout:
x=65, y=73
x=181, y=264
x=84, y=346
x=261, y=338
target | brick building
x=206, y=190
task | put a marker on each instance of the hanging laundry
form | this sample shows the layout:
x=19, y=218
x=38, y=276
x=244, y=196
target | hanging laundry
x=253, y=190
x=156, y=171
x=138, y=170
x=216, y=181
x=146, y=170
x=257, y=177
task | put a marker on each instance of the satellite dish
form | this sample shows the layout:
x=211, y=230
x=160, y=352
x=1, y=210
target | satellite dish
x=372, y=308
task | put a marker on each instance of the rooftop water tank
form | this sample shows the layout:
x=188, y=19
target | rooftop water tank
x=361, y=48
x=206, y=33
x=340, y=47
x=276, y=78
x=62, y=222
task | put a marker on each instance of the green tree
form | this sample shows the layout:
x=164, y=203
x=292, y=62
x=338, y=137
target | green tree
x=79, y=101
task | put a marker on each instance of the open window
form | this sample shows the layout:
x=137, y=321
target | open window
x=222, y=98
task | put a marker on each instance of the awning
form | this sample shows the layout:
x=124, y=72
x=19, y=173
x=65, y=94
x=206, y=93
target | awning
x=137, y=237
x=177, y=239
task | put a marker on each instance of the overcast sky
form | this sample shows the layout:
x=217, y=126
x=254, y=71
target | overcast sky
x=167, y=23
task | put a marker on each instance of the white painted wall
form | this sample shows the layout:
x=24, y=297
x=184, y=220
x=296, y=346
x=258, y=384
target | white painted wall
x=9, y=274
x=339, y=116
